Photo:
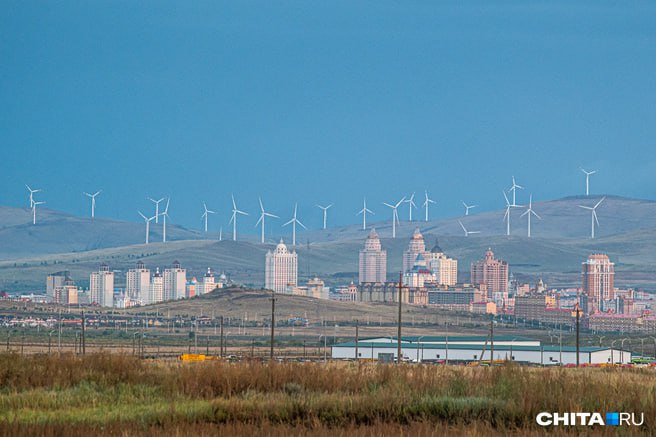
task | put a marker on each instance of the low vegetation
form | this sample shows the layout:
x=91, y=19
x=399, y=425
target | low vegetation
x=110, y=394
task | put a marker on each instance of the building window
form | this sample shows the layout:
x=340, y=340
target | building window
x=437, y=356
x=475, y=357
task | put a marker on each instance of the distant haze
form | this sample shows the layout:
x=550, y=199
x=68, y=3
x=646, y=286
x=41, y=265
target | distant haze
x=323, y=102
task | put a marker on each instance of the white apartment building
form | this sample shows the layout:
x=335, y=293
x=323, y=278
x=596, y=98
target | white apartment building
x=175, y=282
x=137, y=282
x=281, y=269
x=156, y=288
x=101, y=286
x=444, y=268
x=373, y=261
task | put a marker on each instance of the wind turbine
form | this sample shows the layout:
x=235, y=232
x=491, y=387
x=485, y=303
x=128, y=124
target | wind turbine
x=233, y=219
x=506, y=216
x=205, y=215
x=364, y=212
x=467, y=233
x=156, y=202
x=293, y=222
x=32, y=194
x=427, y=201
x=594, y=215
x=165, y=215
x=530, y=212
x=411, y=204
x=468, y=207
x=34, y=204
x=221, y=233
x=262, y=215
x=587, y=180
x=395, y=215
x=513, y=188
x=93, y=201
x=147, y=220
x=325, y=209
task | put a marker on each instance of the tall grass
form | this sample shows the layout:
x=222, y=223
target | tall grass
x=107, y=392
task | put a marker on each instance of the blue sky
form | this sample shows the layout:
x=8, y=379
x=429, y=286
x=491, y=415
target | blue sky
x=323, y=102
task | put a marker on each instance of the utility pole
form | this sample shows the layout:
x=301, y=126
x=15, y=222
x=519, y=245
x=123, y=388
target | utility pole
x=222, y=346
x=492, y=340
x=578, y=311
x=273, y=322
x=84, y=340
x=357, y=339
x=398, y=338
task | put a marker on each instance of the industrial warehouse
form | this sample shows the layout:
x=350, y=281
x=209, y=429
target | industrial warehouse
x=469, y=349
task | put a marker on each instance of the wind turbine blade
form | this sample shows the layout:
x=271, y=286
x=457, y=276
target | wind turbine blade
x=329, y=206
x=241, y=212
x=474, y=232
x=599, y=203
x=261, y=206
x=525, y=212
x=505, y=216
x=270, y=215
x=259, y=220
x=232, y=218
x=370, y=211
x=387, y=204
x=144, y=217
x=505, y=197
x=289, y=222
x=462, y=226
x=536, y=214
x=234, y=205
x=400, y=201
x=585, y=207
x=299, y=222
x=594, y=214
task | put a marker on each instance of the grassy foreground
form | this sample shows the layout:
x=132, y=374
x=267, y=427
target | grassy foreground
x=109, y=394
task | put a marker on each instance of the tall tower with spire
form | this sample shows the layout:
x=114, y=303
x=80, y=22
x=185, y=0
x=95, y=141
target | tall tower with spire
x=416, y=247
x=373, y=261
x=281, y=269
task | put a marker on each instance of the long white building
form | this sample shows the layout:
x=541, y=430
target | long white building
x=101, y=287
x=281, y=269
x=456, y=349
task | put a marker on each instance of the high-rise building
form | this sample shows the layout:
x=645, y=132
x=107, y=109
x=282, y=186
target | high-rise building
x=156, y=288
x=373, y=261
x=598, y=281
x=416, y=247
x=137, y=282
x=494, y=274
x=281, y=269
x=419, y=275
x=175, y=281
x=101, y=287
x=444, y=268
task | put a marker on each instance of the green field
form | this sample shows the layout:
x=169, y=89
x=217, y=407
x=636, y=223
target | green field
x=110, y=394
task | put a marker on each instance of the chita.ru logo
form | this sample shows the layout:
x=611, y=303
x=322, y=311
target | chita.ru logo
x=590, y=419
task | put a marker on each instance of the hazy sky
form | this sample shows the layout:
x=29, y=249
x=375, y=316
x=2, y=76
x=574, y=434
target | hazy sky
x=323, y=102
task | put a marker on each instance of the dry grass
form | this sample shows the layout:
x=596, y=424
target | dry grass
x=109, y=394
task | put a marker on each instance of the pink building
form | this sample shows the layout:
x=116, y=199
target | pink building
x=373, y=261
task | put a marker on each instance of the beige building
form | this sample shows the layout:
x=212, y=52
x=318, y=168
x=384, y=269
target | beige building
x=156, y=288
x=373, y=261
x=598, y=281
x=281, y=269
x=444, y=268
x=316, y=288
x=415, y=247
x=207, y=284
x=101, y=287
x=494, y=274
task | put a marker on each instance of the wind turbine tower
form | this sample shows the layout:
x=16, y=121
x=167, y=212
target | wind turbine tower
x=587, y=180
x=34, y=205
x=514, y=188
x=506, y=216
x=411, y=204
x=93, y=201
x=156, y=202
x=165, y=215
x=594, y=219
x=293, y=222
x=261, y=220
x=205, y=215
x=364, y=212
x=147, y=220
x=325, y=210
x=395, y=215
x=530, y=212
x=427, y=202
x=233, y=219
